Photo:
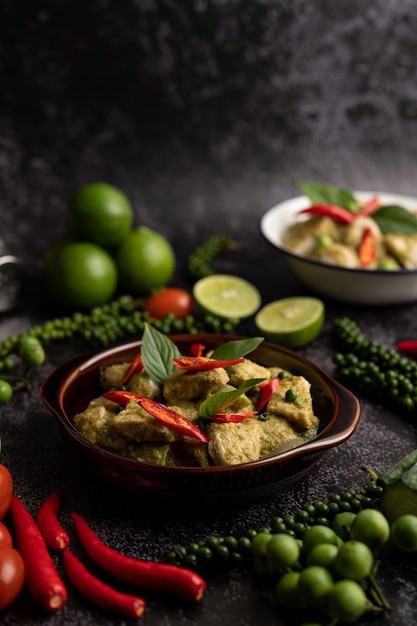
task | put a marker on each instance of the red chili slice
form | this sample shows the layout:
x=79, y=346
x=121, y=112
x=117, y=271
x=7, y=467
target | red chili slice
x=197, y=349
x=122, y=397
x=338, y=213
x=369, y=207
x=266, y=389
x=164, y=414
x=172, y=419
x=135, y=367
x=202, y=363
x=367, y=248
x=234, y=418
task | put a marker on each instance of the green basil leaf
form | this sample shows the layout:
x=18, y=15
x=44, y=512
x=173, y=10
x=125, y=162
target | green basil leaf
x=236, y=349
x=328, y=194
x=218, y=402
x=157, y=351
x=395, y=219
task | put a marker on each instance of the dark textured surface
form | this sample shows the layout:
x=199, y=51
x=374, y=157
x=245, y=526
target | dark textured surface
x=206, y=114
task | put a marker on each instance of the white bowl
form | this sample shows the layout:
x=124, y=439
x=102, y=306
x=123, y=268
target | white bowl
x=356, y=286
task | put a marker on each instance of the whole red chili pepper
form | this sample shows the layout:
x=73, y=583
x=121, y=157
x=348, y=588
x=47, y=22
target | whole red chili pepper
x=99, y=592
x=44, y=582
x=135, y=367
x=266, y=390
x=54, y=534
x=338, y=213
x=234, y=418
x=151, y=575
x=408, y=345
x=367, y=248
x=164, y=414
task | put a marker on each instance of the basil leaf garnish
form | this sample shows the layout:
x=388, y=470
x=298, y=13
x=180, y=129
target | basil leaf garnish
x=218, y=402
x=328, y=194
x=157, y=351
x=236, y=349
x=395, y=219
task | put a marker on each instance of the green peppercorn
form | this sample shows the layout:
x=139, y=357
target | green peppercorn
x=290, y=395
x=232, y=551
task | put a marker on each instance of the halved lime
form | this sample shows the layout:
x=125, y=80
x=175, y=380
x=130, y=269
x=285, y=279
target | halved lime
x=225, y=295
x=291, y=322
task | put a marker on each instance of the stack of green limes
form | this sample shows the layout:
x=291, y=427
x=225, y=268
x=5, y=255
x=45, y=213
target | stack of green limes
x=102, y=252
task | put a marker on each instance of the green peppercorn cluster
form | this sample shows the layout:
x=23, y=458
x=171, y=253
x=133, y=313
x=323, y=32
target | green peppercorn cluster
x=200, y=260
x=109, y=323
x=231, y=550
x=28, y=352
x=374, y=368
x=99, y=328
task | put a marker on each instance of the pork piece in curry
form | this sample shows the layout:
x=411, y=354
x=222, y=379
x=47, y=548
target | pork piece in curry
x=134, y=433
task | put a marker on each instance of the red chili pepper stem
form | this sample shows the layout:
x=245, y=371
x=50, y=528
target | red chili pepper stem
x=99, y=592
x=55, y=536
x=43, y=580
x=150, y=575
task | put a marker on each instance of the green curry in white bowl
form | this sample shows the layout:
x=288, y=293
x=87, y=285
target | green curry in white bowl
x=358, y=247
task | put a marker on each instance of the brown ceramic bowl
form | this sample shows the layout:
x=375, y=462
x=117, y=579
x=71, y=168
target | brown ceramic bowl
x=69, y=388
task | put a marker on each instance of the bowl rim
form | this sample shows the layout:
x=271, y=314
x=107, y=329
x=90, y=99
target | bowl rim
x=296, y=203
x=343, y=423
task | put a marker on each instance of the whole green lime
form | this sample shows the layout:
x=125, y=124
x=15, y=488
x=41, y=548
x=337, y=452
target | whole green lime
x=80, y=276
x=100, y=213
x=145, y=261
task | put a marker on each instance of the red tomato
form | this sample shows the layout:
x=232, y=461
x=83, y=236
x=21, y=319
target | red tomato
x=170, y=300
x=12, y=575
x=6, y=490
x=5, y=536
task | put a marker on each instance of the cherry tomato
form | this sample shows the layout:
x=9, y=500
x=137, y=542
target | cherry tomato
x=172, y=300
x=12, y=575
x=6, y=490
x=5, y=536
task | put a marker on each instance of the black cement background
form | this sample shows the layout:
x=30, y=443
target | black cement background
x=206, y=114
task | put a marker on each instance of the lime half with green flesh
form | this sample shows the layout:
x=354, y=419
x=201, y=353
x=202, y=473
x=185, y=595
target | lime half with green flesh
x=227, y=296
x=291, y=322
